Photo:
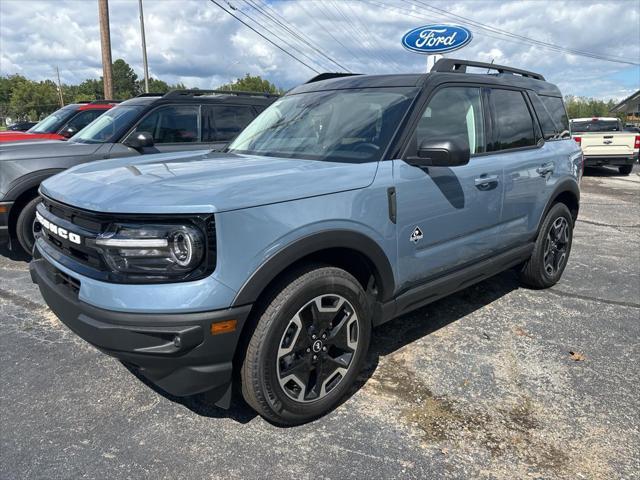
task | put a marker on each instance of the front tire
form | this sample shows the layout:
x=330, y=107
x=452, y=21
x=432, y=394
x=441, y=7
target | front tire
x=551, y=250
x=24, y=225
x=308, y=346
x=625, y=169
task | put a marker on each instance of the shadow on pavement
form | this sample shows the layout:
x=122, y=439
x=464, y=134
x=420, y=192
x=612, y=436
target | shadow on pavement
x=16, y=254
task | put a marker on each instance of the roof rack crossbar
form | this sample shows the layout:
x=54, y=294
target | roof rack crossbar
x=149, y=94
x=453, y=65
x=196, y=93
x=104, y=102
x=329, y=75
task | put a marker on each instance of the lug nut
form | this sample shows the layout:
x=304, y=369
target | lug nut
x=324, y=349
x=308, y=350
x=315, y=357
x=324, y=335
x=313, y=337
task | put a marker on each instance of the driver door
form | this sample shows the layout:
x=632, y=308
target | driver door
x=447, y=217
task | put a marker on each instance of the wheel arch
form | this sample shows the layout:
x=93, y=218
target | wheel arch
x=353, y=251
x=567, y=192
x=22, y=191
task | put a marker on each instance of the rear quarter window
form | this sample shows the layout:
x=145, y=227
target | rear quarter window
x=555, y=107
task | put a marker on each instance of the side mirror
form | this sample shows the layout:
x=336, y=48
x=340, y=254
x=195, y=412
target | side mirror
x=139, y=140
x=440, y=153
x=69, y=132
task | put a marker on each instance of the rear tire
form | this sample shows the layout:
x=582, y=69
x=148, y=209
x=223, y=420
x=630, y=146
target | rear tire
x=308, y=346
x=551, y=250
x=24, y=225
x=625, y=169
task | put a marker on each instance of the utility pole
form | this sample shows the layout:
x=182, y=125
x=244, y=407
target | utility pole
x=105, y=42
x=144, y=49
x=59, y=87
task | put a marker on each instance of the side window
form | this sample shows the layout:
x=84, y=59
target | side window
x=172, y=124
x=549, y=129
x=224, y=122
x=514, y=125
x=555, y=107
x=454, y=113
x=83, y=119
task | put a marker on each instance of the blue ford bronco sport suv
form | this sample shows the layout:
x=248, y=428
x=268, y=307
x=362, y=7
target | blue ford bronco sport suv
x=348, y=202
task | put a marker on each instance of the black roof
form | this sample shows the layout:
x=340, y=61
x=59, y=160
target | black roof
x=444, y=70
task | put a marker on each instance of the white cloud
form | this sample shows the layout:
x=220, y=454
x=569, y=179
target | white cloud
x=195, y=42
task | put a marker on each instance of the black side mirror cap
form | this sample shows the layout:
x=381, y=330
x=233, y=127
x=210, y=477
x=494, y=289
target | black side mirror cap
x=438, y=153
x=69, y=132
x=139, y=140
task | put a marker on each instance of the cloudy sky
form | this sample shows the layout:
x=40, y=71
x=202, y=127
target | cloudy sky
x=197, y=43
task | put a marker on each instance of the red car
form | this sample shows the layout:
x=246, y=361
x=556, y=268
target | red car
x=61, y=124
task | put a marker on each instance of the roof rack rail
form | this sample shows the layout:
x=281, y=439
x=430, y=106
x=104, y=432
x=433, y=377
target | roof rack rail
x=453, y=65
x=104, y=102
x=197, y=93
x=328, y=75
x=149, y=94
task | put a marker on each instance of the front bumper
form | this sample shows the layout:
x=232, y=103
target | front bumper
x=602, y=160
x=5, y=208
x=176, y=352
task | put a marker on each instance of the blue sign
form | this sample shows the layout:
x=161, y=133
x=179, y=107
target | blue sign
x=432, y=39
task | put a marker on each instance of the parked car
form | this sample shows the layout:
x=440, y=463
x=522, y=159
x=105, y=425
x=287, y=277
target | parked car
x=61, y=124
x=348, y=202
x=604, y=141
x=21, y=126
x=178, y=121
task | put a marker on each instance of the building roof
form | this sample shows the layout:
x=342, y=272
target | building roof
x=633, y=97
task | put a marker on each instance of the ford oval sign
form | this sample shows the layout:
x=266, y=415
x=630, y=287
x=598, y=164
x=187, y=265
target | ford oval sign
x=432, y=39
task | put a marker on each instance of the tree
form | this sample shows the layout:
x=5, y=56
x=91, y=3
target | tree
x=250, y=83
x=583, y=107
x=125, y=84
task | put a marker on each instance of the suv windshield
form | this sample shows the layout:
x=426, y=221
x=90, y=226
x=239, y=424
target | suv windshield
x=110, y=125
x=53, y=122
x=596, y=126
x=336, y=125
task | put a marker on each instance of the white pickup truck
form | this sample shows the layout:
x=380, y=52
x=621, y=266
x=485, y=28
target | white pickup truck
x=605, y=142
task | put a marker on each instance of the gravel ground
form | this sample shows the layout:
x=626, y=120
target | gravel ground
x=482, y=384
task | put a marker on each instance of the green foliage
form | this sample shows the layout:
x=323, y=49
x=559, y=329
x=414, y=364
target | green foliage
x=21, y=98
x=581, y=107
x=252, y=83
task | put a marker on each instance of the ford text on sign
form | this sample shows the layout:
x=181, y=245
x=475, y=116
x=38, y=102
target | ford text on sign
x=436, y=38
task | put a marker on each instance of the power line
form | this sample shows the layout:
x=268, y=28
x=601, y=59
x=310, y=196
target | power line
x=527, y=39
x=264, y=37
x=293, y=31
x=264, y=27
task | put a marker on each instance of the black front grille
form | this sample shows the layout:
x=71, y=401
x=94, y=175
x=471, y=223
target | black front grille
x=80, y=222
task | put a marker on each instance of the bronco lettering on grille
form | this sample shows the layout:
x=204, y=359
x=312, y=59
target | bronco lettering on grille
x=58, y=231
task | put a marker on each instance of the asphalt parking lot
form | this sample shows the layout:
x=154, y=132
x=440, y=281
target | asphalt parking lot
x=494, y=382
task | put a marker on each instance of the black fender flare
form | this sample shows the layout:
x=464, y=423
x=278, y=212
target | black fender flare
x=29, y=181
x=567, y=185
x=314, y=243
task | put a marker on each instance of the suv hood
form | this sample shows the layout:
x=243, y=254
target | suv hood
x=201, y=182
x=45, y=149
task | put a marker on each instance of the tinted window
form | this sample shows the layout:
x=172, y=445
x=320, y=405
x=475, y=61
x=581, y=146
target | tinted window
x=224, y=122
x=549, y=129
x=83, y=119
x=454, y=113
x=514, y=125
x=555, y=107
x=54, y=122
x=596, y=126
x=172, y=124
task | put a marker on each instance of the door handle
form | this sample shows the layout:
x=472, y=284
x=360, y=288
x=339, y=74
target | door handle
x=486, y=182
x=545, y=168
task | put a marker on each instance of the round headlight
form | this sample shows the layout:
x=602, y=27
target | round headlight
x=181, y=247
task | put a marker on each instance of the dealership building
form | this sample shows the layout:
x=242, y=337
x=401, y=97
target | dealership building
x=629, y=106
